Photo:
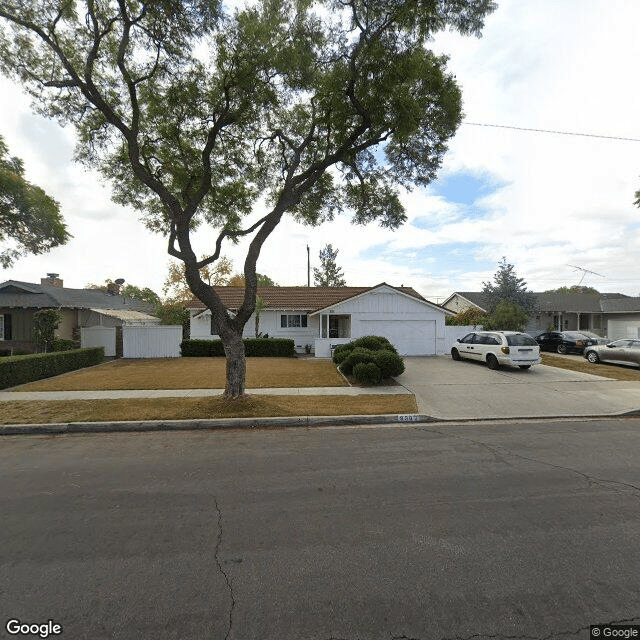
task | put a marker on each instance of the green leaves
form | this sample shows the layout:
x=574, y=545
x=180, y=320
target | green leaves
x=30, y=220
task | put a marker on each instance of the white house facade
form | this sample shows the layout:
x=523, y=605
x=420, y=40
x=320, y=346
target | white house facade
x=319, y=318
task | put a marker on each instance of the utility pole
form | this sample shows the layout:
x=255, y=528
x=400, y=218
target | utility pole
x=308, y=268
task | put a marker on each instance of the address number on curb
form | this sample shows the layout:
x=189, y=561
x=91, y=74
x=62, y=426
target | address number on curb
x=407, y=417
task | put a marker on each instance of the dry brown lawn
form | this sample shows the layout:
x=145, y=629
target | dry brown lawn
x=193, y=373
x=578, y=363
x=38, y=412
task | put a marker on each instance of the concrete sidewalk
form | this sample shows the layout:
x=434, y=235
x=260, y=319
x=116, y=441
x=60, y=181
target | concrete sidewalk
x=115, y=394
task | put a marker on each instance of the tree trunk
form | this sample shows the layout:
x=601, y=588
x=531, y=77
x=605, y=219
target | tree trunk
x=236, y=366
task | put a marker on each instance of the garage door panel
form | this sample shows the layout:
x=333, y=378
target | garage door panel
x=410, y=337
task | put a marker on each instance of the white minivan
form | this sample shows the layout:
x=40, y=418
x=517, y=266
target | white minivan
x=498, y=347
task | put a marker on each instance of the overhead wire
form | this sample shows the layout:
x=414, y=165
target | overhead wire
x=558, y=132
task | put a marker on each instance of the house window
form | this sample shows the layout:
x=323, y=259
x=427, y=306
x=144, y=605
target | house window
x=5, y=326
x=295, y=320
x=214, y=326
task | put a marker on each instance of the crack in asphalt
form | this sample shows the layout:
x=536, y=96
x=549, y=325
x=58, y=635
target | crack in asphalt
x=222, y=571
x=498, y=452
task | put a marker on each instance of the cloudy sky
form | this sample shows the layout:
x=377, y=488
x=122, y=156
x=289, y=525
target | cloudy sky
x=545, y=201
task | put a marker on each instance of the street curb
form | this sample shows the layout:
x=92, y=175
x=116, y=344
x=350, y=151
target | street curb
x=62, y=428
x=210, y=425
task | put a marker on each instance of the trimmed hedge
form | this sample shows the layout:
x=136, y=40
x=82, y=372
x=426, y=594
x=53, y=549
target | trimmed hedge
x=253, y=348
x=16, y=370
x=201, y=349
x=368, y=359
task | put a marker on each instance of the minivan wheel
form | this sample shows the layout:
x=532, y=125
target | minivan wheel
x=592, y=357
x=492, y=361
x=455, y=355
x=525, y=366
x=562, y=348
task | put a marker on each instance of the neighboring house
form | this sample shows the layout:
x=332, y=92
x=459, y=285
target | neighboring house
x=612, y=314
x=460, y=301
x=622, y=316
x=321, y=317
x=78, y=308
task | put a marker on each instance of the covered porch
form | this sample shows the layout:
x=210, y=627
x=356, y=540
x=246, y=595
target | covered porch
x=333, y=329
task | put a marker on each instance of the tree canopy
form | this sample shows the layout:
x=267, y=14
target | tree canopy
x=30, y=220
x=195, y=113
x=576, y=288
x=508, y=287
x=329, y=274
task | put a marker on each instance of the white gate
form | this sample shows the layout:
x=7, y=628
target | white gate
x=151, y=341
x=99, y=337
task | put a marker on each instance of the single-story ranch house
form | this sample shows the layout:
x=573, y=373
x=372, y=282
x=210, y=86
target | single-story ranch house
x=318, y=318
x=78, y=308
x=613, y=315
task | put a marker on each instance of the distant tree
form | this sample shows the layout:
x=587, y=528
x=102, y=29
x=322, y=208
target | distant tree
x=472, y=316
x=176, y=286
x=329, y=274
x=576, y=288
x=30, y=220
x=145, y=294
x=507, y=316
x=507, y=286
x=173, y=313
x=238, y=280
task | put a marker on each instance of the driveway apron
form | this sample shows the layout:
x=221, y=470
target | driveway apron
x=448, y=389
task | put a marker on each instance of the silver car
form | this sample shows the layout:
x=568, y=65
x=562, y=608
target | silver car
x=626, y=351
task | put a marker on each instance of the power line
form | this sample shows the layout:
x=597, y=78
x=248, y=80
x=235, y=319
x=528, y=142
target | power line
x=562, y=133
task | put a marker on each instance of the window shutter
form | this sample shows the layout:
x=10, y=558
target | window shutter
x=7, y=326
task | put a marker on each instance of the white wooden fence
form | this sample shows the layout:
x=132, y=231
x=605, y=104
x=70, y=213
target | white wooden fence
x=452, y=333
x=99, y=337
x=151, y=341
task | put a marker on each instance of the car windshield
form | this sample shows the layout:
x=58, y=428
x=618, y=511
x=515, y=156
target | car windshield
x=521, y=340
x=574, y=335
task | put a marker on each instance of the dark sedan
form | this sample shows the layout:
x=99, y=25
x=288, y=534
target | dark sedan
x=564, y=341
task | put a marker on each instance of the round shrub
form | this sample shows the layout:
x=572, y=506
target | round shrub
x=389, y=363
x=341, y=352
x=356, y=356
x=375, y=343
x=367, y=373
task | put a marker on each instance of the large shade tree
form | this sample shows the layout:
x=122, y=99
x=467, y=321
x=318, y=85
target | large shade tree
x=30, y=220
x=194, y=113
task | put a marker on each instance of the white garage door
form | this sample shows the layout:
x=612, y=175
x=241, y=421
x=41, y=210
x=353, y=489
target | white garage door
x=409, y=337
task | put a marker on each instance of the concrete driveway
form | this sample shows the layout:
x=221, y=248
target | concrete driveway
x=445, y=388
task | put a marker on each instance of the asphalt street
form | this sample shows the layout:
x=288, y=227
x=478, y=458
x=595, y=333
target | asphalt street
x=528, y=529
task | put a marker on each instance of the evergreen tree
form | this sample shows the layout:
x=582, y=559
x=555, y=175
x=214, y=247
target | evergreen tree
x=329, y=274
x=507, y=286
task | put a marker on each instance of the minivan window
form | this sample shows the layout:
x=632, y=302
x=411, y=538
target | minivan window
x=520, y=340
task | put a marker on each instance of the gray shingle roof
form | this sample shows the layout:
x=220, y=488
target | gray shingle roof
x=620, y=305
x=571, y=302
x=15, y=294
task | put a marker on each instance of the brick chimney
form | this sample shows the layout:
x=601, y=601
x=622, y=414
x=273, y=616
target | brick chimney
x=113, y=289
x=52, y=280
